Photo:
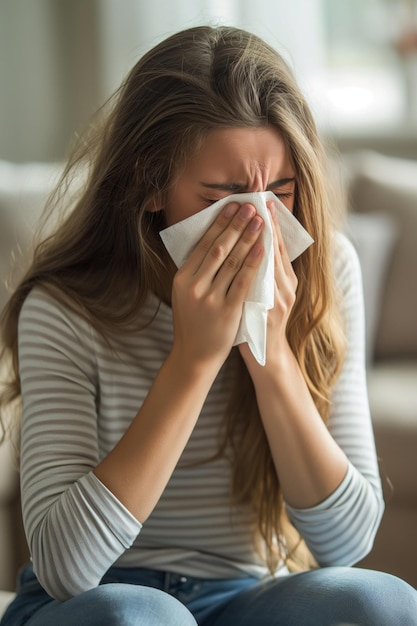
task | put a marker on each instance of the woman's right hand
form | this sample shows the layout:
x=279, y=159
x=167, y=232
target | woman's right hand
x=210, y=288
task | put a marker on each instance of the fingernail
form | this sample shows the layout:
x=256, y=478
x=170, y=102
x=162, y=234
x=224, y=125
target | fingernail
x=246, y=211
x=256, y=250
x=231, y=209
x=255, y=224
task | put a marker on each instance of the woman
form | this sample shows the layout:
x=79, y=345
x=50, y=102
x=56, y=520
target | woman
x=165, y=473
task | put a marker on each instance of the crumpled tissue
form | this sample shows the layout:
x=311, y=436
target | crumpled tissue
x=180, y=239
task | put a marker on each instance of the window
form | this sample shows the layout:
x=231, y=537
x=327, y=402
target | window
x=369, y=81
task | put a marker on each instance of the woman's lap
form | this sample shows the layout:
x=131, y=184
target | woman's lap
x=324, y=597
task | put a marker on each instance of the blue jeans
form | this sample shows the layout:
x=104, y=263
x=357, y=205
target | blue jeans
x=332, y=596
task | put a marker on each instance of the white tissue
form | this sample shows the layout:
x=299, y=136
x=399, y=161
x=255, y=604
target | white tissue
x=181, y=238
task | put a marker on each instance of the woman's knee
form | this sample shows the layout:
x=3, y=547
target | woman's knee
x=128, y=605
x=365, y=596
x=325, y=597
x=387, y=597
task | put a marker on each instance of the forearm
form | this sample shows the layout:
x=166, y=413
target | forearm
x=138, y=468
x=309, y=463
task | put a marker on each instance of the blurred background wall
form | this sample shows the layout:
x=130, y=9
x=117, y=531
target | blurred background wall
x=61, y=59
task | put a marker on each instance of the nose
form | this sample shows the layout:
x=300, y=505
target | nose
x=255, y=189
x=259, y=182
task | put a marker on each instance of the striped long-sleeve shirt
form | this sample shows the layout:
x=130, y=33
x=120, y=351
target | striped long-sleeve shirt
x=81, y=392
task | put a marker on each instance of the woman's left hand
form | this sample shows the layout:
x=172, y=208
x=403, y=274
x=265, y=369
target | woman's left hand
x=285, y=295
x=309, y=463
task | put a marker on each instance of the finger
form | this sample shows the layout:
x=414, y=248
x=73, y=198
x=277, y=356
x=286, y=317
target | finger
x=236, y=258
x=221, y=222
x=282, y=259
x=242, y=281
x=217, y=250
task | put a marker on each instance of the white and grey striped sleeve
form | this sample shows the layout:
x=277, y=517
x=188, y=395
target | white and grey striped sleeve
x=75, y=527
x=341, y=530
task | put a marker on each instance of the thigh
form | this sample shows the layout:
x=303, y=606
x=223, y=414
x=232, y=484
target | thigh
x=324, y=597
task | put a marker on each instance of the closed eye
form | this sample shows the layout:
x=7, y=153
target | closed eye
x=209, y=201
x=282, y=195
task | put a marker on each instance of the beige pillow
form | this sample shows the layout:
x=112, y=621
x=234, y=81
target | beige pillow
x=388, y=186
x=373, y=236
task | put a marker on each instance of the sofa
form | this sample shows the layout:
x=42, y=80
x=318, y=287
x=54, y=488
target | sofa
x=382, y=224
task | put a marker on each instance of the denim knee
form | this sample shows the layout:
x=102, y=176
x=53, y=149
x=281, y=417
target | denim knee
x=382, y=599
x=324, y=597
x=133, y=605
x=113, y=604
x=362, y=596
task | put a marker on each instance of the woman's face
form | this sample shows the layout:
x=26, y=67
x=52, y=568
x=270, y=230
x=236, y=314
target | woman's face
x=232, y=160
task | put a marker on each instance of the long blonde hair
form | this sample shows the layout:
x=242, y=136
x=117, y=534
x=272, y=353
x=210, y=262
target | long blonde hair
x=107, y=249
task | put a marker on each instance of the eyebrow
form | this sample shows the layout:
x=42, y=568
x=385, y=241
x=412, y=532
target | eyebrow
x=238, y=187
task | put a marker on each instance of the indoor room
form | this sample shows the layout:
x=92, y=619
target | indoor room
x=355, y=61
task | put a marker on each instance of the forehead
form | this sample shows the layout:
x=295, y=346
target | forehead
x=241, y=149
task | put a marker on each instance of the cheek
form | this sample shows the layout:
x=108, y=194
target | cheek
x=172, y=217
x=289, y=203
x=178, y=207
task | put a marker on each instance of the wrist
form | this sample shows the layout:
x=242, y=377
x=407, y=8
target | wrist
x=184, y=364
x=280, y=367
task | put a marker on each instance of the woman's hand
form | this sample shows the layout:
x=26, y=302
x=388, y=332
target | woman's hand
x=284, y=299
x=211, y=286
x=207, y=300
